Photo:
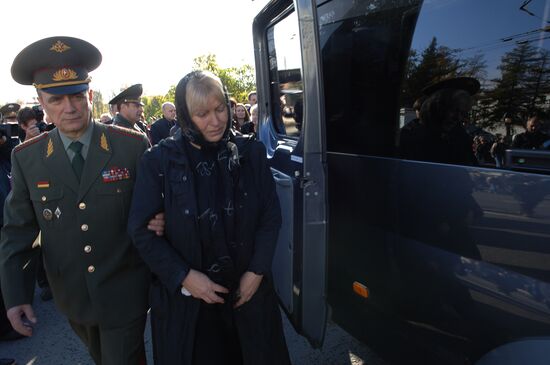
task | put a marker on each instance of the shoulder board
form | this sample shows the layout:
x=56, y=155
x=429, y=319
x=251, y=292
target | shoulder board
x=31, y=141
x=126, y=132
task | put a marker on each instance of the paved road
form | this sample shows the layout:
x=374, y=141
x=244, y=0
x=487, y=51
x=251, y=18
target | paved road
x=55, y=344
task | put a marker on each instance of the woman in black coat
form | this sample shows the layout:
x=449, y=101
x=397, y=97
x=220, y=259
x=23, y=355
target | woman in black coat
x=212, y=298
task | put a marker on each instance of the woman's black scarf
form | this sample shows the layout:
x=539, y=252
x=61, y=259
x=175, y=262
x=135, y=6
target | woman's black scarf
x=215, y=166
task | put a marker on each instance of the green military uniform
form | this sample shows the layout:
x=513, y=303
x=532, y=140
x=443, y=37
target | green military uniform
x=94, y=271
x=131, y=94
x=120, y=121
x=79, y=201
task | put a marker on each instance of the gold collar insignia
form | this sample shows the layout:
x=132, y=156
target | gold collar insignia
x=103, y=142
x=50, y=148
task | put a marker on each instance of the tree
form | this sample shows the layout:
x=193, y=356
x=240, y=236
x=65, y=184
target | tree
x=239, y=81
x=98, y=106
x=519, y=89
x=152, y=106
x=435, y=63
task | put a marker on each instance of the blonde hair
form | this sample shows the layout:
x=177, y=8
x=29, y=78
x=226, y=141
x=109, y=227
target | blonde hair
x=200, y=88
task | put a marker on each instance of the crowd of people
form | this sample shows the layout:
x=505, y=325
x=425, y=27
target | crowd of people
x=123, y=219
x=443, y=132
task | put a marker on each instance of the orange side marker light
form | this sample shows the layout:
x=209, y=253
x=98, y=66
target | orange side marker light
x=360, y=289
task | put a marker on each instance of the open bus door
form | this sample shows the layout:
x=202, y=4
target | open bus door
x=291, y=125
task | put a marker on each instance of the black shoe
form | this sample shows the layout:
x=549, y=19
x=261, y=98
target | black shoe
x=11, y=335
x=45, y=295
x=7, y=362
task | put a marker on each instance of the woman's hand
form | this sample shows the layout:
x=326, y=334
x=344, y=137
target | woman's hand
x=248, y=286
x=201, y=287
x=156, y=224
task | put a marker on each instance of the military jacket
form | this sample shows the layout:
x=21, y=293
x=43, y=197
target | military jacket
x=120, y=121
x=95, y=273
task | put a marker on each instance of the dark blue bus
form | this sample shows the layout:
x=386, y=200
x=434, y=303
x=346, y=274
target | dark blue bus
x=409, y=143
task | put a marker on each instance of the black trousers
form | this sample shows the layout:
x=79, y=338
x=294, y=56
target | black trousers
x=216, y=338
x=114, y=346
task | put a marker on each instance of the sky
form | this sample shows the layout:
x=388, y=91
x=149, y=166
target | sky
x=478, y=26
x=152, y=44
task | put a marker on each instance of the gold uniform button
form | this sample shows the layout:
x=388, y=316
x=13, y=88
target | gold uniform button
x=84, y=227
x=91, y=268
x=87, y=248
x=82, y=206
x=43, y=198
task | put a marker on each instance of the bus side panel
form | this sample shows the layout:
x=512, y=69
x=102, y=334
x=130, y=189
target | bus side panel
x=460, y=267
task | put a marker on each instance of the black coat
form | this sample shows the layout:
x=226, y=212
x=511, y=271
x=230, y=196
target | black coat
x=166, y=175
x=160, y=130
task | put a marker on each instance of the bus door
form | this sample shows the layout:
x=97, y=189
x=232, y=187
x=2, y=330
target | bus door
x=291, y=125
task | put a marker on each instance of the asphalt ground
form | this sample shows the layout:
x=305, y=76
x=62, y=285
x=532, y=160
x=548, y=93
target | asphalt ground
x=54, y=343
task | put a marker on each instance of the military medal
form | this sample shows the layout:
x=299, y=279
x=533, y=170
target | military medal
x=48, y=215
x=57, y=212
x=115, y=174
x=43, y=184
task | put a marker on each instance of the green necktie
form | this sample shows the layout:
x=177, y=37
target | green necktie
x=78, y=161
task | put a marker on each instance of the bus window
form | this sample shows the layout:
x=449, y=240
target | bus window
x=285, y=73
x=477, y=91
x=364, y=46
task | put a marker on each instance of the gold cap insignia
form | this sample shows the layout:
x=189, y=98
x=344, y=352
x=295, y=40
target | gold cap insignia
x=59, y=47
x=65, y=74
x=103, y=142
x=50, y=148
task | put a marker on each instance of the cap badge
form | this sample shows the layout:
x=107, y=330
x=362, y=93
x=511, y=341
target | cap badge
x=103, y=142
x=59, y=47
x=64, y=74
x=50, y=148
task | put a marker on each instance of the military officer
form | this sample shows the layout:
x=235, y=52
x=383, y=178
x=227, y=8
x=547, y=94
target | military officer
x=74, y=185
x=130, y=108
x=9, y=112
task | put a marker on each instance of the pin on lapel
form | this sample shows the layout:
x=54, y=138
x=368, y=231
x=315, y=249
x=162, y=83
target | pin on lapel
x=43, y=184
x=47, y=214
x=57, y=212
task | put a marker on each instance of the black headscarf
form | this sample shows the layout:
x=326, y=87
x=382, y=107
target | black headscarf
x=188, y=128
x=216, y=169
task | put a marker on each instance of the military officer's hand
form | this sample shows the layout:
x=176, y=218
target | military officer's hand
x=247, y=288
x=22, y=318
x=157, y=224
x=201, y=287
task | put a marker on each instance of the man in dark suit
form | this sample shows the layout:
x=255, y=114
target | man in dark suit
x=161, y=128
x=74, y=185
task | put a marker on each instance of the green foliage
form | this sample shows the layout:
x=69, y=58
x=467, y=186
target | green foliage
x=153, y=107
x=519, y=90
x=98, y=106
x=435, y=63
x=239, y=81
